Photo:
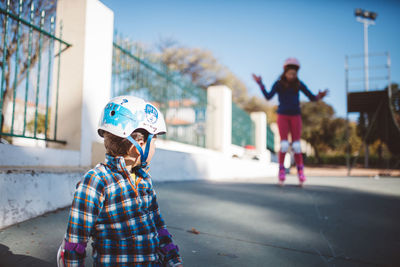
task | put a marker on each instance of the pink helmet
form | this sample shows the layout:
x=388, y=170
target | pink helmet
x=291, y=61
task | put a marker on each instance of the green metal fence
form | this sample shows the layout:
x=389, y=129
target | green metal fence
x=30, y=50
x=270, y=139
x=242, y=127
x=137, y=73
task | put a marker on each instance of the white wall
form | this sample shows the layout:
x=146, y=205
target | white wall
x=260, y=138
x=25, y=194
x=12, y=155
x=96, y=91
x=85, y=73
x=175, y=161
x=219, y=118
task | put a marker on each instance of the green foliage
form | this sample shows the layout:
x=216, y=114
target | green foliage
x=201, y=67
x=254, y=104
x=317, y=128
x=362, y=127
x=204, y=70
x=325, y=132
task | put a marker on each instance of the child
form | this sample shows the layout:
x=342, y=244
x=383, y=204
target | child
x=115, y=204
x=289, y=114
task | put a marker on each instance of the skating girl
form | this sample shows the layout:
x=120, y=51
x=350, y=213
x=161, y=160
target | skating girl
x=288, y=87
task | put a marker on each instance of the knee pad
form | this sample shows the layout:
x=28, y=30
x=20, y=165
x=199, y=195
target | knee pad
x=284, y=146
x=296, y=147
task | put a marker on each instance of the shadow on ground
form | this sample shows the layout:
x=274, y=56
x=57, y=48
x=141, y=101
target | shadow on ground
x=7, y=259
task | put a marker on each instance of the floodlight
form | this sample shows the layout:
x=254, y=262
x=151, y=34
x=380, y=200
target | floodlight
x=358, y=12
x=373, y=15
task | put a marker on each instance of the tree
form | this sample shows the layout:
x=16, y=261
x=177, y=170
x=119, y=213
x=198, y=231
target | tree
x=255, y=104
x=49, y=7
x=319, y=126
x=201, y=67
x=40, y=124
x=326, y=133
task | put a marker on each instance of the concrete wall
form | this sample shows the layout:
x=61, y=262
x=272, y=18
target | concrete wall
x=12, y=155
x=219, y=118
x=174, y=161
x=72, y=16
x=85, y=80
x=97, y=69
x=260, y=122
x=25, y=194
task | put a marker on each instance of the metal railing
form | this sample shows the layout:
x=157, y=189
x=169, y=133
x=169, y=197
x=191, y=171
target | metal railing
x=242, y=127
x=184, y=105
x=28, y=99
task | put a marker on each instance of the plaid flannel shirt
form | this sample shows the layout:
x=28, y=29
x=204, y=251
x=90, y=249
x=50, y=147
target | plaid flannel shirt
x=122, y=217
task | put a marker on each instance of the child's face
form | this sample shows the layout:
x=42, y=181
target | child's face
x=134, y=155
x=291, y=75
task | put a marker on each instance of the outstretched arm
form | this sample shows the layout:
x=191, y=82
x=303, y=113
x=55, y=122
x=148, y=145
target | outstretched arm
x=267, y=95
x=311, y=96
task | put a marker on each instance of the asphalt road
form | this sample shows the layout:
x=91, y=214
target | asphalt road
x=330, y=222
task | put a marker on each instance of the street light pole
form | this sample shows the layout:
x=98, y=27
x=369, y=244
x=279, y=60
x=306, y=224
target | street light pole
x=366, y=23
x=367, y=18
x=366, y=56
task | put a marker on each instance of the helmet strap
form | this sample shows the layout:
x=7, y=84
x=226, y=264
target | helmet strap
x=146, y=151
x=143, y=156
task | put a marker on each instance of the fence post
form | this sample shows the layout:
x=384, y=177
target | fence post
x=219, y=118
x=260, y=132
x=85, y=77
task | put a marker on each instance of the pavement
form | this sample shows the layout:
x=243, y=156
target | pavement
x=332, y=221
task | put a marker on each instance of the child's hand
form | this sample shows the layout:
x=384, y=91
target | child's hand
x=322, y=94
x=256, y=78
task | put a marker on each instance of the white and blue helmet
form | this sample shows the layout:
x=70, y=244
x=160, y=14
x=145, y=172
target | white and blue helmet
x=124, y=114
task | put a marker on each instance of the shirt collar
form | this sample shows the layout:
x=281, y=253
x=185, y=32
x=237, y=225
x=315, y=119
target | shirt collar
x=117, y=163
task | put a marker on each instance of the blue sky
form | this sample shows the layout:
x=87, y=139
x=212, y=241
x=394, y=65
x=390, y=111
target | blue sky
x=257, y=36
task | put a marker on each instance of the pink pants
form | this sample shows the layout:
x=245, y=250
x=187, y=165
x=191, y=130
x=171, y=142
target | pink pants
x=290, y=124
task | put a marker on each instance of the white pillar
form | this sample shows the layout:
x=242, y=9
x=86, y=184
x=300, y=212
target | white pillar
x=219, y=118
x=85, y=77
x=260, y=134
x=277, y=139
